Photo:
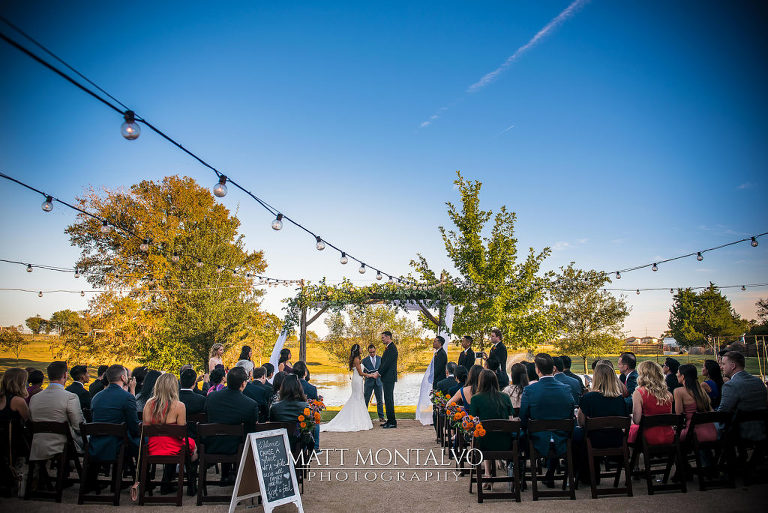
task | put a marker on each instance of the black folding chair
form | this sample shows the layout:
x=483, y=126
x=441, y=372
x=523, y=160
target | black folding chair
x=171, y=430
x=91, y=465
x=69, y=453
x=565, y=426
x=595, y=427
x=666, y=454
x=753, y=439
x=718, y=451
x=510, y=428
x=205, y=432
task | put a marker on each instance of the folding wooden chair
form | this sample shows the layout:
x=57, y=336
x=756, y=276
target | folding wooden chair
x=205, y=432
x=654, y=454
x=117, y=464
x=179, y=459
x=721, y=453
x=757, y=420
x=565, y=426
x=69, y=453
x=510, y=428
x=595, y=427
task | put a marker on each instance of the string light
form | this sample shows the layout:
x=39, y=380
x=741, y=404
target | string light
x=77, y=273
x=105, y=228
x=277, y=224
x=320, y=244
x=699, y=256
x=175, y=258
x=638, y=292
x=47, y=205
x=199, y=263
x=754, y=242
x=743, y=288
x=220, y=189
x=654, y=268
x=343, y=258
x=130, y=129
x=29, y=268
x=144, y=246
x=219, y=268
x=379, y=276
x=671, y=291
x=40, y=294
x=82, y=293
x=362, y=269
x=618, y=275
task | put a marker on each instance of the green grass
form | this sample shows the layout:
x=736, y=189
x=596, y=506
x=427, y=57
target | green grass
x=401, y=412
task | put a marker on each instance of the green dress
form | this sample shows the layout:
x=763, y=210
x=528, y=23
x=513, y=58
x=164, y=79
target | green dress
x=485, y=408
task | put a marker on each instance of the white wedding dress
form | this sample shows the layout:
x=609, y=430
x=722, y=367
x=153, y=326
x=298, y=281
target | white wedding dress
x=354, y=414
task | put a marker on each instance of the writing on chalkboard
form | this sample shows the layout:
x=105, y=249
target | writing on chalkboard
x=275, y=468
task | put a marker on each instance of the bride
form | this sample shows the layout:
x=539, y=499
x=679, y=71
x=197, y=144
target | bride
x=354, y=414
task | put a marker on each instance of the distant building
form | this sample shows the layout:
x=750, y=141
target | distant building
x=632, y=340
x=649, y=340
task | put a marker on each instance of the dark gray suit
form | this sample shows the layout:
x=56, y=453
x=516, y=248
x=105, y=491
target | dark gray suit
x=747, y=393
x=373, y=384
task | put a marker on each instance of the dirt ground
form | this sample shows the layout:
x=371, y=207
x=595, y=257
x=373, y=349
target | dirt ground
x=334, y=487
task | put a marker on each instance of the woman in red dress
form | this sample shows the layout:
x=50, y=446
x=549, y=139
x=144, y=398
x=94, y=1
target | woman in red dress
x=651, y=397
x=164, y=407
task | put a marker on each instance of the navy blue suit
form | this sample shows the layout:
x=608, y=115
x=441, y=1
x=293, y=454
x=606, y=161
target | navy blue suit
x=373, y=385
x=262, y=394
x=115, y=406
x=309, y=390
x=572, y=383
x=546, y=399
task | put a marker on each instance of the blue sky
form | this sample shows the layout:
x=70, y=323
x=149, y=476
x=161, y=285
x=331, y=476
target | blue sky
x=629, y=132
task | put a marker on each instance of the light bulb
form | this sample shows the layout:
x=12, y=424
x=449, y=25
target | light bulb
x=220, y=189
x=40, y=294
x=29, y=268
x=362, y=269
x=379, y=276
x=754, y=242
x=699, y=256
x=105, y=228
x=130, y=129
x=638, y=292
x=234, y=272
x=219, y=268
x=320, y=244
x=743, y=287
x=144, y=246
x=77, y=273
x=671, y=291
x=47, y=205
x=655, y=268
x=175, y=257
x=343, y=258
x=82, y=293
x=390, y=280
x=277, y=224
x=618, y=275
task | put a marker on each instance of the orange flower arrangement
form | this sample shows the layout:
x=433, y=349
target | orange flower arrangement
x=301, y=418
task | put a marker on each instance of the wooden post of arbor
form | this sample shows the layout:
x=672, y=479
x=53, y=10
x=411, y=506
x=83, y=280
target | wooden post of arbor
x=303, y=335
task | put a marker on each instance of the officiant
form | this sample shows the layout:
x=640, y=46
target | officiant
x=371, y=364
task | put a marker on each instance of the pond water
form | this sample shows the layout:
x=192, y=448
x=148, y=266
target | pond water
x=336, y=388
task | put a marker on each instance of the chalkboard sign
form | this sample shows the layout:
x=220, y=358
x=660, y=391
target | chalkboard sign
x=266, y=470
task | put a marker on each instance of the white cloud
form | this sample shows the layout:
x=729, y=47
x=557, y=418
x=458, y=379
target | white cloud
x=510, y=127
x=746, y=185
x=540, y=35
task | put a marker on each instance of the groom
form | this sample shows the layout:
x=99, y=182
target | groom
x=388, y=373
x=371, y=364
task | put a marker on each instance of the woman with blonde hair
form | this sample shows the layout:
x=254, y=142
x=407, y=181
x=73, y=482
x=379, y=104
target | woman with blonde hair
x=651, y=397
x=164, y=407
x=217, y=351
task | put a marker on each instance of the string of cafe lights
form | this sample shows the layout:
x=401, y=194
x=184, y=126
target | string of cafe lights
x=672, y=290
x=107, y=226
x=131, y=129
x=41, y=293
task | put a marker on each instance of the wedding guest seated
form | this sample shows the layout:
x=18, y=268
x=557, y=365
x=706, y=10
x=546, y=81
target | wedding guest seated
x=651, y=397
x=670, y=373
x=567, y=371
x=519, y=380
x=260, y=391
x=216, y=380
x=547, y=399
x=35, y=378
x=115, y=405
x=100, y=383
x=230, y=406
x=713, y=385
x=270, y=372
x=604, y=400
x=449, y=382
x=469, y=389
x=690, y=398
x=79, y=374
x=490, y=403
x=530, y=368
x=573, y=383
x=193, y=402
x=628, y=375
x=742, y=392
x=14, y=437
x=139, y=374
x=492, y=364
x=300, y=370
x=54, y=404
x=291, y=401
x=164, y=407
x=147, y=389
x=198, y=379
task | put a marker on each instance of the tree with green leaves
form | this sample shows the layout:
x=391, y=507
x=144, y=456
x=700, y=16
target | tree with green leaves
x=63, y=320
x=363, y=325
x=12, y=340
x=499, y=287
x=700, y=318
x=37, y=325
x=170, y=304
x=589, y=319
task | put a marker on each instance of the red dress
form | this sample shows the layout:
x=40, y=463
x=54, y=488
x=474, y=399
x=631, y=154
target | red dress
x=167, y=445
x=655, y=435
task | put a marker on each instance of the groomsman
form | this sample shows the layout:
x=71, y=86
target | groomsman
x=388, y=373
x=441, y=359
x=467, y=356
x=371, y=364
x=498, y=350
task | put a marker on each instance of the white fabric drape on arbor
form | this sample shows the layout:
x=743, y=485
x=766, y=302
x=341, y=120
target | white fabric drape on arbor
x=276, y=350
x=424, y=405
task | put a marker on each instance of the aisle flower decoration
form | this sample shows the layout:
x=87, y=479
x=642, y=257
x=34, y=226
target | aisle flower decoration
x=439, y=399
